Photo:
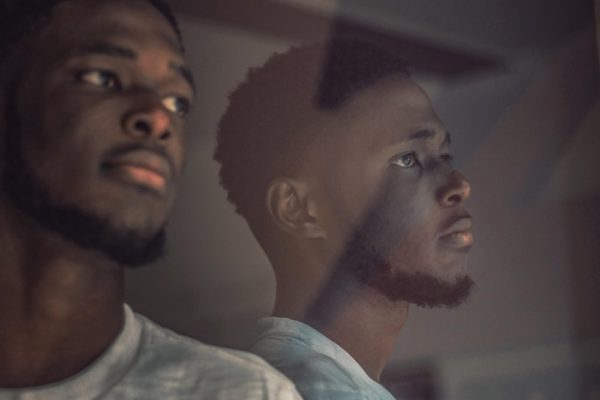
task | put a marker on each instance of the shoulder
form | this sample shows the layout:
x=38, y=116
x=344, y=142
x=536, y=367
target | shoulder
x=314, y=370
x=160, y=342
x=308, y=369
x=193, y=367
x=317, y=375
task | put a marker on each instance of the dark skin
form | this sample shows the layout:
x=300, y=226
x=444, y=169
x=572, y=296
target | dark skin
x=392, y=143
x=58, y=319
x=103, y=75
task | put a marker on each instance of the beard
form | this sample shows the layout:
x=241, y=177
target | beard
x=373, y=267
x=128, y=247
x=368, y=258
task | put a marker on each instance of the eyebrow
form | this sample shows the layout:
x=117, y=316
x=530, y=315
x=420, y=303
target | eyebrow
x=113, y=50
x=185, y=73
x=424, y=134
x=108, y=49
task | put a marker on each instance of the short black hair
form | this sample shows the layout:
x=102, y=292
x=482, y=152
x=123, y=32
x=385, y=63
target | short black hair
x=265, y=131
x=20, y=19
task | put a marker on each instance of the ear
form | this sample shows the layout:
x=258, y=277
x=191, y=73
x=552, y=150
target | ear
x=293, y=209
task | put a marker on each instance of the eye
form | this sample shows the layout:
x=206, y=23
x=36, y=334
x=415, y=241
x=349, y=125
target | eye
x=405, y=160
x=101, y=78
x=177, y=104
x=447, y=158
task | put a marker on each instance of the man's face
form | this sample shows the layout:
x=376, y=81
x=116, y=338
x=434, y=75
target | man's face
x=392, y=200
x=99, y=123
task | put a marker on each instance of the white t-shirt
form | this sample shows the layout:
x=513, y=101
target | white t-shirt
x=319, y=367
x=147, y=362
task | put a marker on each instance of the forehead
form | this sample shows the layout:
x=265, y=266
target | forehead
x=76, y=22
x=389, y=111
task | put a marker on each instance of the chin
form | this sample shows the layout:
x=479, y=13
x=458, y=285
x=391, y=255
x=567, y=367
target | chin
x=142, y=225
x=421, y=288
x=128, y=214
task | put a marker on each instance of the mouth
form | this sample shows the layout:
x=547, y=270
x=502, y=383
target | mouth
x=143, y=169
x=458, y=235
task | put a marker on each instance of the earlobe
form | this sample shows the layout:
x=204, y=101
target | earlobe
x=292, y=209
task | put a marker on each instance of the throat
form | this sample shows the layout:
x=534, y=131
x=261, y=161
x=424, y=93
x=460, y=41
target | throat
x=363, y=322
x=38, y=352
x=59, y=310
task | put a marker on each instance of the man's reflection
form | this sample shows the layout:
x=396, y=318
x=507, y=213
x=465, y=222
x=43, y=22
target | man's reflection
x=342, y=169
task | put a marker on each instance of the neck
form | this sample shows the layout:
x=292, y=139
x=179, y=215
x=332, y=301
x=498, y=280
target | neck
x=60, y=306
x=358, y=318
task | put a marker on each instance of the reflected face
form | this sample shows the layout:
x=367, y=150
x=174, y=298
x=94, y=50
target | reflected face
x=392, y=197
x=98, y=123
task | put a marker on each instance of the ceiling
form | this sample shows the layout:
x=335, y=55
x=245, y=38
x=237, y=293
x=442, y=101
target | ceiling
x=447, y=38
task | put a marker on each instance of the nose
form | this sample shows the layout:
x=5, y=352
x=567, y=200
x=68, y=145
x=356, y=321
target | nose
x=456, y=190
x=149, y=123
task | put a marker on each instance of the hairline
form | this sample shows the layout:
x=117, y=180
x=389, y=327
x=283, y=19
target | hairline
x=317, y=111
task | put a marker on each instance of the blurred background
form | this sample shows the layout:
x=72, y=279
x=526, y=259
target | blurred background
x=516, y=82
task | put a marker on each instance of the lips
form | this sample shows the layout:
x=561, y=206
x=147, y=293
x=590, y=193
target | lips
x=143, y=168
x=458, y=234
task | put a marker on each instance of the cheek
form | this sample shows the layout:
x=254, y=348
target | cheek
x=65, y=148
x=403, y=201
x=405, y=219
x=347, y=205
x=62, y=137
x=357, y=192
x=49, y=118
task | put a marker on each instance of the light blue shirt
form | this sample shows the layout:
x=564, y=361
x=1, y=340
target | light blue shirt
x=320, y=369
x=149, y=362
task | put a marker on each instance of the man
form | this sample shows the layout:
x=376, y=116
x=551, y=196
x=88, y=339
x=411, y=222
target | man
x=342, y=169
x=94, y=95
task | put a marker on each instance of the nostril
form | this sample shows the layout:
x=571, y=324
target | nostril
x=454, y=198
x=165, y=135
x=142, y=126
x=153, y=124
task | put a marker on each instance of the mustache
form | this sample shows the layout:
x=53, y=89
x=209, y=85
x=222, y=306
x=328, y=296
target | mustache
x=123, y=149
x=459, y=215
